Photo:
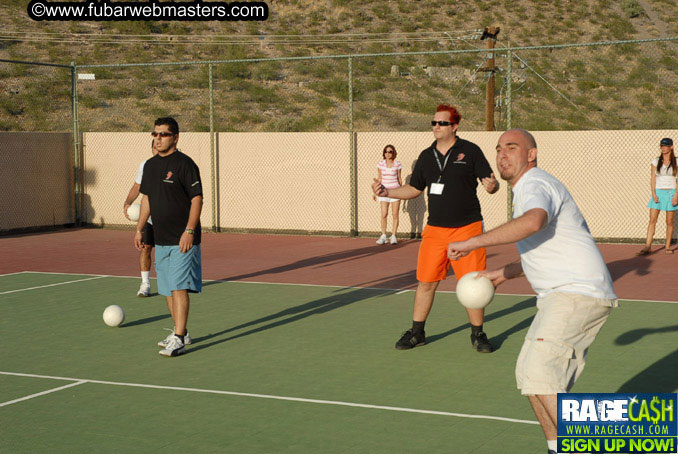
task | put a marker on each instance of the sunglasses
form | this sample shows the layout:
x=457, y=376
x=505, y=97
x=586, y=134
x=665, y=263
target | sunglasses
x=388, y=151
x=441, y=123
x=162, y=134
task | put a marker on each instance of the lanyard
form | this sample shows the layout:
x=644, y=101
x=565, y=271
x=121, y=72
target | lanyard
x=441, y=167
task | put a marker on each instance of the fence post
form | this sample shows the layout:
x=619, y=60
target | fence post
x=354, y=159
x=77, y=170
x=509, y=192
x=213, y=168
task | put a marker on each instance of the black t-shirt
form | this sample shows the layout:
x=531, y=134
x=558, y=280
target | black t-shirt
x=458, y=205
x=170, y=183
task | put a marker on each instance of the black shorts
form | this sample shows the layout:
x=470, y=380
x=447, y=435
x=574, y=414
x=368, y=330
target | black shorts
x=147, y=235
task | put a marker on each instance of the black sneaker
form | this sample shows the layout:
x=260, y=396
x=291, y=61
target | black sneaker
x=411, y=340
x=480, y=343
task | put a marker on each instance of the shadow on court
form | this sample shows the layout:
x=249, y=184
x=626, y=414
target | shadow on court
x=639, y=266
x=415, y=208
x=143, y=321
x=500, y=338
x=402, y=281
x=320, y=261
x=635, y=335
x=662, y=376
x=286, y=316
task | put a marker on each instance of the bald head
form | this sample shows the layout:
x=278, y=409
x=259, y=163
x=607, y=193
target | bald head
x=528, y=138
x=516, y=154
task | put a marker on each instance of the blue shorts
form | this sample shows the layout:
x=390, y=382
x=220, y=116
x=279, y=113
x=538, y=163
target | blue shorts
x=664, y=204
x=177, y=271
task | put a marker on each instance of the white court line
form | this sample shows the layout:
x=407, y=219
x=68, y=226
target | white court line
x=386, y=289
x=400, y=291
x=72, y=274
x=51, y=285
x=267, y=396
x=70, y=385
x=12, y=274
x=383, y=289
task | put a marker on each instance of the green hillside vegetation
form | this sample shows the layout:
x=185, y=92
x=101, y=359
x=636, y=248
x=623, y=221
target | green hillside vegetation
x=631, y=86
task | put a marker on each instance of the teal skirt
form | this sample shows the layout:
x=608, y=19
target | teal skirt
x=664, y=204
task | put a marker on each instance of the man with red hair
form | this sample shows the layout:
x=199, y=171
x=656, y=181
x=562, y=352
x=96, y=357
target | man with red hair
x=450, y=168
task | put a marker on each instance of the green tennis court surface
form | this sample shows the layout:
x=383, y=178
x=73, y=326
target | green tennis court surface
x=285, y=369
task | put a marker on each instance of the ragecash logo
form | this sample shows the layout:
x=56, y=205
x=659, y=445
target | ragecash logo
x=618, y=423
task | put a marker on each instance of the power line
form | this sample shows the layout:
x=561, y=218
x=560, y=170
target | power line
x=238, y=40
x=154, y=35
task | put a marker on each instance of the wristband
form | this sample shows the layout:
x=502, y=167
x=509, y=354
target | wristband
x=191, y=231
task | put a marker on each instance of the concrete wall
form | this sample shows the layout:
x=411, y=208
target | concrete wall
x=607, y=173
x=37, y=180
x=110, y=166
x=301, y=181
x=413, y=214
x=285, y=181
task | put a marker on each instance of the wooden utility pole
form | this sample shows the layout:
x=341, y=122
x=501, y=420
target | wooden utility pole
x=490, y=35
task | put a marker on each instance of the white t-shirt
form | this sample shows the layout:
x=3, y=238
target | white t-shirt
x=389, y=175
x=137, y=180
x=665, y=178
x=562, y=257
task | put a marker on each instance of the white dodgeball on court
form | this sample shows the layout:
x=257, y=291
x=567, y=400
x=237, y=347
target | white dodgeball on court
x=133, y=211
x=114, y=315
x=475, y=293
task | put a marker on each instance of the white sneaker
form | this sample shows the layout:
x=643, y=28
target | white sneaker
x=383, y=239
x=165, y=341
x=394, y=240
x=145, y=289
x=174, y=347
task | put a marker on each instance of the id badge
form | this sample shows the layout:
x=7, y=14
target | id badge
x=436, y=188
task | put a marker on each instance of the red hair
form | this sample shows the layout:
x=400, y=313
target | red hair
x=455, y=116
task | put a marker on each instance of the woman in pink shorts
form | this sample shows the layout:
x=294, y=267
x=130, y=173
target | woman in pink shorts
x=389, y=176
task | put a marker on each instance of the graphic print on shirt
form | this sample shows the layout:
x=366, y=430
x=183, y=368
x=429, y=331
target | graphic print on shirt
x=168, y=177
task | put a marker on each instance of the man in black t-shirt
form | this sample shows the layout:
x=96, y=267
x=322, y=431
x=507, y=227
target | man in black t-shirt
x=172, y=192
x=450, y=168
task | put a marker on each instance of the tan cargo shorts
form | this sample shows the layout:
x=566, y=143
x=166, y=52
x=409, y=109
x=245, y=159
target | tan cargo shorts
x=554, y=353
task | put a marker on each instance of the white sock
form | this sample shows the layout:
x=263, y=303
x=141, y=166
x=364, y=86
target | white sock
x=553, y=445
x=145, y=277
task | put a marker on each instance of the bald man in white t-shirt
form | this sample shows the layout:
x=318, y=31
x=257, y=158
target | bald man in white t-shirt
x=561, y=261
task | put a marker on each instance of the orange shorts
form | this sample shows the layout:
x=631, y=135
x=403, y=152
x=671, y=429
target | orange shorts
x=433, y=264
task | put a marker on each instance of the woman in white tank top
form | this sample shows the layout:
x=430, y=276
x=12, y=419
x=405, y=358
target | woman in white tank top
x=664, y=196
x=388, y=174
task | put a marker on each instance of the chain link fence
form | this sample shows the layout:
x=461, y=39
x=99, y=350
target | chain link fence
x=284, y=146
x=291, y=145
x=114, y=106
x=609, y=106
x=37, y=168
